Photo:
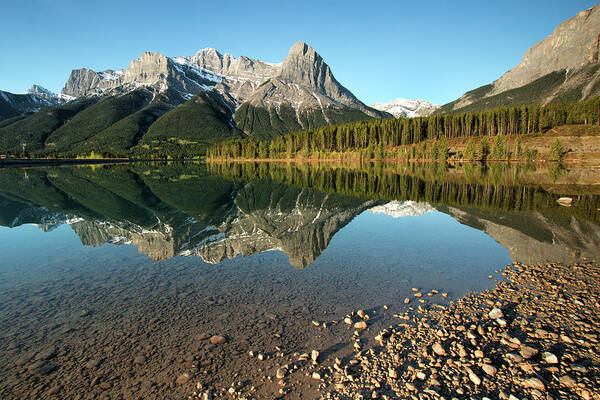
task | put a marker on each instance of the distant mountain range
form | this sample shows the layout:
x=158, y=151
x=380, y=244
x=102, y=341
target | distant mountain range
x=562, y=67
x=36, y=97
x=180, y=105
x=402, y=108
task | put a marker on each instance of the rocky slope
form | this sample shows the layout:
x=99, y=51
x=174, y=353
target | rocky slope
x=238, y=79
x=400, y=108
x=563, y=66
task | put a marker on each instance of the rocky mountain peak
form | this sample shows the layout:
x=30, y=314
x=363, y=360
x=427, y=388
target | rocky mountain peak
x=305, y=67
x=303, y=49
x=148, y=69
x=39, y=90
x=401, y=108
x=573, y=44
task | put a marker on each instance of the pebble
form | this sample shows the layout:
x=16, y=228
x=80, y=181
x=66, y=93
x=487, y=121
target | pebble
x=140, y=359
x=474, y=378
x=567, y=381
x=496, y=313
x=392, y=373
x=183, y=378
x=489, y=369
x=281, y=372
x=534, y=383
x=549, y=358
x=217, y=339
x=528, y=352
x=91, y=364
x=360, y=325
x=314, y=355
x=438, y=349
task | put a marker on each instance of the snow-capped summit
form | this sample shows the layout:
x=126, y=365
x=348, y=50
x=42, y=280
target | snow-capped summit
x=399, y=209
x=407, y=108
x=43, y=93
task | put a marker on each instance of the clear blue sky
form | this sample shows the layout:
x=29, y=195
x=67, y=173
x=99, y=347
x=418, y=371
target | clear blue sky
x=380, y=50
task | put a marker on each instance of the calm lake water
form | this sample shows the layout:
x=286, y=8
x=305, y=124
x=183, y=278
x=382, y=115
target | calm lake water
x=112, y=277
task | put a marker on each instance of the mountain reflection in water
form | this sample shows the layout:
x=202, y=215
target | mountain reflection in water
x=221, y=211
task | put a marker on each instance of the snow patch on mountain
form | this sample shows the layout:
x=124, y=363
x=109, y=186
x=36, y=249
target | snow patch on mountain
x=400, y=108
x=398, y=209
x=52, y=98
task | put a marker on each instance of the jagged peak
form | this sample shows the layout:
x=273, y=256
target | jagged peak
x=208, y=50
x=301, y=49
x=37, y=89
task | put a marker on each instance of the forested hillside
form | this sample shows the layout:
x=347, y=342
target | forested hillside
x=371, y=138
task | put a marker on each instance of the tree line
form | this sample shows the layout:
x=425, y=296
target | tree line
x=493, y=186
x=372, y=137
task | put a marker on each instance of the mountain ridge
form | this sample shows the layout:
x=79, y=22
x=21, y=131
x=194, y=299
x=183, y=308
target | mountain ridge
x=237, y=96
x=401, y=108
x=561, y=67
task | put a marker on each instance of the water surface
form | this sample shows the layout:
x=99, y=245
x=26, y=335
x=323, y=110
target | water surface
x=103, y=265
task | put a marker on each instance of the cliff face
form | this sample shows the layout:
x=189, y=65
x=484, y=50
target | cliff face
x=573, y=44
x=83, y=82
x=562, y=67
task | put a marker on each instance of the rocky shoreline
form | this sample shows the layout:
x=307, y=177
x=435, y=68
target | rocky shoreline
x=534, y=336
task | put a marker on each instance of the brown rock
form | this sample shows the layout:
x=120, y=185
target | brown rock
x=528, y=352
x=360, y=325
x=438, y=349
x=489, y=369
x=217, y=339
x=534, y=383
x=183, y=378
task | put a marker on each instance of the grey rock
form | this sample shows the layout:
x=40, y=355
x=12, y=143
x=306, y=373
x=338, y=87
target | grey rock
x=573, y=44
x=571, y=49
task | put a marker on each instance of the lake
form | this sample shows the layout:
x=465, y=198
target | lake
x=113, y=278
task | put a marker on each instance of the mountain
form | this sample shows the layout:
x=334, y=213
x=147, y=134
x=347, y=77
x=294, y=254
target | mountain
x=399, y=209
x=400, y=108
x=164, y=105
x=562, y=67
x=534, y=238
x=179, y=212
x=36, y=97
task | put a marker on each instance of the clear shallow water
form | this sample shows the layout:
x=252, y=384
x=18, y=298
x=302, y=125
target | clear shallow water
x=278, y=258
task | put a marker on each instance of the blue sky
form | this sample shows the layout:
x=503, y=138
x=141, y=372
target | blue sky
x=380, y=50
